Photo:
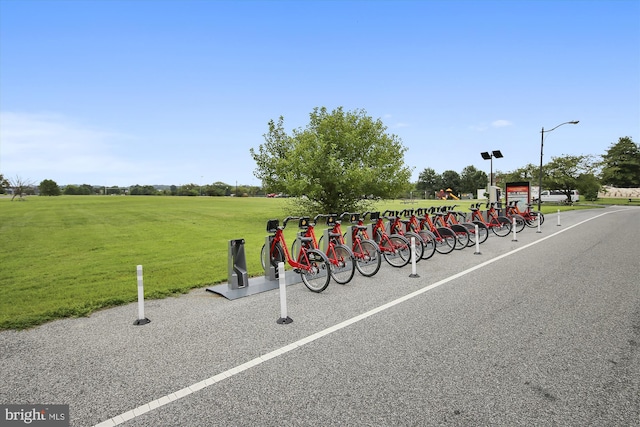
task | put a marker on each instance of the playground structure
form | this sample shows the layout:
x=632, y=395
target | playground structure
x=447, y=195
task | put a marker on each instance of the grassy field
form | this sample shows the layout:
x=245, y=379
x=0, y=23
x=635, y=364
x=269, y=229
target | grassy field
x=71, y=255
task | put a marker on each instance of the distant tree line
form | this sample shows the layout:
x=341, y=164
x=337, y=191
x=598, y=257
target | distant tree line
x=618, y=167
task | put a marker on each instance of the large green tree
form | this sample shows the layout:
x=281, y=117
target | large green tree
x=472, y=179
x=341, y=159
x=530, y=173
x=621, y=164
x=49, y=187
x=566, y=173
x=451, y=179
x=4, y=183
x=429, y=182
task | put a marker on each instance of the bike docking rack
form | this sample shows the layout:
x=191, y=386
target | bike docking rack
x=239, y=284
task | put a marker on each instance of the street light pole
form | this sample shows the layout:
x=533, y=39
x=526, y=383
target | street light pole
x=489, y=156
x=574, y=122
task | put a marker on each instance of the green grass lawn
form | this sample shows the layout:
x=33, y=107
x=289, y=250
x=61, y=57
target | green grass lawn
x=71, y=255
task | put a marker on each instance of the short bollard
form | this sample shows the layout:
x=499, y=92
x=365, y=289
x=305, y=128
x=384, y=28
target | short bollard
x=558, y=217
x=515, y=238
x=414, y=272
x=284, y=319
x=477, y=252
x=539, y=231
x=141, y=319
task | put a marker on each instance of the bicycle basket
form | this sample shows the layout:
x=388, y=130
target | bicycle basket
x=374, y=216
x=272, y=225
x=331, y=220
x=355, y=218
x=303, y=223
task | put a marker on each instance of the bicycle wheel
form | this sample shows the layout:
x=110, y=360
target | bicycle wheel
x=462, y=236
x=295, y=249
x=483, y=232
x=315, y=270
x=419, y=244
x=520, y=223
x=276, y=256
x=446, y=240
x=532, y=219
x=395, y=250
x=342, y=266
x=367, y=255
x=428, y=243
x=501, y=226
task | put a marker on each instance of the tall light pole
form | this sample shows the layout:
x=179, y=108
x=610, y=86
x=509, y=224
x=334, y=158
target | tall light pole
x=485, y=155
x=574, y=122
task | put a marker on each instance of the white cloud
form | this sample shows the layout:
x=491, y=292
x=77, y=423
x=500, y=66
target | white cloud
x=501, y=123
x=481, y=127
x=51, y=146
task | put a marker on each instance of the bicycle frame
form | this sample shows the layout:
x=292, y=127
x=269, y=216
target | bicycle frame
x=394, y=248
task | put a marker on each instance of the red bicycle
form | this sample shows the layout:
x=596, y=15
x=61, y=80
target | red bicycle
x=339, y=255
x=312, y=264
x=500, y=225
x=530, y=217
x=446, y=240
x=461, y=232
x=395, y=248
x=451, y=217
x=429, y=239
x=365, y=251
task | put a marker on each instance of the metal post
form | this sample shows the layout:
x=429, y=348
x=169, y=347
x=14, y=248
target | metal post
x=141, y=319
x=540, y=177
x=477, y=252
x=284, y=318
x=414, y=273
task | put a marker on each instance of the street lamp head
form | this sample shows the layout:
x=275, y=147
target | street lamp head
x=575, y=122
x=485, y=155
x=497, y=154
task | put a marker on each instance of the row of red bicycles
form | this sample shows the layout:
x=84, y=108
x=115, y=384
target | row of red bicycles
x=373, y=236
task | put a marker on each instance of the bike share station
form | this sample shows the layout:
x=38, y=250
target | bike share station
x=518, y=191
x=240, y=285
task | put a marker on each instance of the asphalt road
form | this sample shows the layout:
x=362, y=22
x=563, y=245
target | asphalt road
x=543, y=331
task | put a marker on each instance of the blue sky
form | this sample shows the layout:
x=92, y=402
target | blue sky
x=174, y=92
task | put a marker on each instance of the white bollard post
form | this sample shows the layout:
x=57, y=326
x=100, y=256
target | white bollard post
x=414, y=273
x=284, y=318
x=539, y=231
x=141, y=319
x=558, y=217
x=515, y=238
x=477, y=252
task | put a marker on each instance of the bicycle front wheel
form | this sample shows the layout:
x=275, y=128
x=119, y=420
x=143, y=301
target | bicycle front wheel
x=275, y=257
x=500, y=226
x=395, y=250
x=367, y=255
x=315, y=270
x=532, y=219
x=419, y=244
x=446, y=240
x=428, y=244
x=462, y=236
x=483, y=232
x=342, y=266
